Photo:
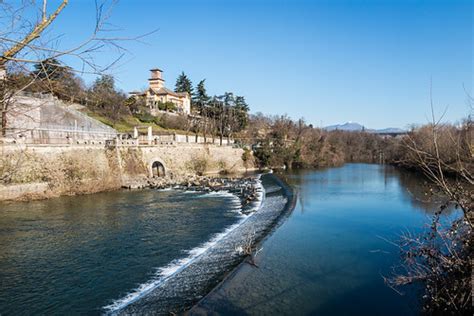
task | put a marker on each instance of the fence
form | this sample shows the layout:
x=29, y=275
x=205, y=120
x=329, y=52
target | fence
x=67, y=136
x=57, y=136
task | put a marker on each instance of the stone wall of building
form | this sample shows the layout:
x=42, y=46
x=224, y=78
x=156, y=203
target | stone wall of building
x=69, y=170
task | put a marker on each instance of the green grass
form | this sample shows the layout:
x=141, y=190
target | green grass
x=127, y=123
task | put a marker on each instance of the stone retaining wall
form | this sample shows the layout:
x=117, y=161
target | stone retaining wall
x=88, y=169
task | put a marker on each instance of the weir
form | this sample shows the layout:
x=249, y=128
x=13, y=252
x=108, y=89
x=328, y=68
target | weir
x=178, y=291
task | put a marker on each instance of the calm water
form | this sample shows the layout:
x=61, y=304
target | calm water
x=74, y=255
x=329, y=256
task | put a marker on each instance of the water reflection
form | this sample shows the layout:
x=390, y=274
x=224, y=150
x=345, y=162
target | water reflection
x=365, y=176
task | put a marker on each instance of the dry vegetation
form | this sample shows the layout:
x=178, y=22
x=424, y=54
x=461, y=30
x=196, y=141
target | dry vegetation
x=441, y=257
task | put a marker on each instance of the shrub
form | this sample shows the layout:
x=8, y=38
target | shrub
x=198, y=165
x=222, y=166
x=145, y=117
x=167, y=106
x=247, y=157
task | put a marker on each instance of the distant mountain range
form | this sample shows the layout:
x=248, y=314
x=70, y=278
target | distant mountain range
x=356, y=127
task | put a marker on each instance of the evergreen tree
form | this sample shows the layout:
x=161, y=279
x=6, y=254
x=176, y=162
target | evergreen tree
x=184, y=84
x=56, y=78
x=229, y=99
x=200, y=95
x=104, y=83
x=200, y=98
x=241, y=109
x=50, y=69
x=241, y=104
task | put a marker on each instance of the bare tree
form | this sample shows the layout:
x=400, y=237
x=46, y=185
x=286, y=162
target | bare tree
x=440, y=258
x=23, y=42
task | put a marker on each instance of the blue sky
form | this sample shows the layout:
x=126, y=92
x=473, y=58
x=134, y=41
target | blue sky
x=327, y=61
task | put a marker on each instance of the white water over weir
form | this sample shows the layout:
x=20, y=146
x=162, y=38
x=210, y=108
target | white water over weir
x=183, y=282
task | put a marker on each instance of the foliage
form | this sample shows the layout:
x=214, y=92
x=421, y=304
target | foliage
x=50, y=76
x=247, y=157
x=440, y=258
x=200, y=98
x=172, y=122
x=146, y=117
x=136, y=104
x=105, y=99
x=184, y=84
x=198, y=165
x=50, y=69
x=263, y=153
x=167, y=106
x=227, y=116
x=282, y=141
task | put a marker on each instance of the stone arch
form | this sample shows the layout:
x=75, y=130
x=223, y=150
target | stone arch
x=157, y=168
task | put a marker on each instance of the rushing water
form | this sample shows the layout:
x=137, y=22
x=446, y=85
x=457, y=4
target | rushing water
x=329, y=256
x=75, y=255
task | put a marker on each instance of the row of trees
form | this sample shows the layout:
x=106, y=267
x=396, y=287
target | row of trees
x=224, y=115
x=281, y=141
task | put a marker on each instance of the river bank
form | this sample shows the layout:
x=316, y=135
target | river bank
x=191, y=281
x=33, y=172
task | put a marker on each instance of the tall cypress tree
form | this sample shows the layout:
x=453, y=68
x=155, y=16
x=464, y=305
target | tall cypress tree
x=200, y=97
x=184, y=84
x=200, y=94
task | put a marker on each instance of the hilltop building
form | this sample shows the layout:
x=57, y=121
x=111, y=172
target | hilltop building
x=157, y=94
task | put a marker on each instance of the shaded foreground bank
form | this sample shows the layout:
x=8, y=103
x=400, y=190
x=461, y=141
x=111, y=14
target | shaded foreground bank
x=189, y=283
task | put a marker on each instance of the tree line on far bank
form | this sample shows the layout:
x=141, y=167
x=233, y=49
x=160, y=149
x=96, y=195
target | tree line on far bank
x=279, y=141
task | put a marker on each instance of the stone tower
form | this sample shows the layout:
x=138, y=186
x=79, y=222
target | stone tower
x=156, y=80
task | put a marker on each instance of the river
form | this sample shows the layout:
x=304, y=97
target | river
x=329, y=256
x=77, y=255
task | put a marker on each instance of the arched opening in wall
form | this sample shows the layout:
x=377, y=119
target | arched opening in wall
x=157, y=169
